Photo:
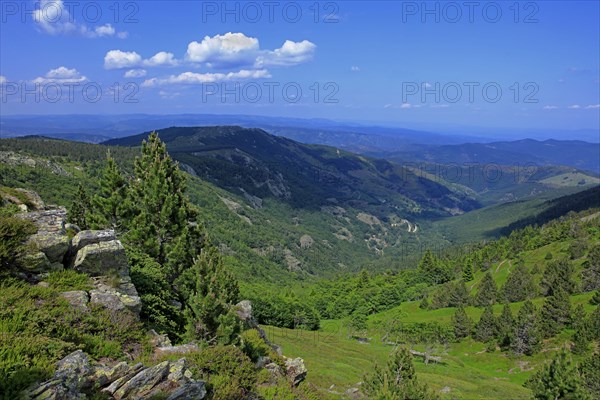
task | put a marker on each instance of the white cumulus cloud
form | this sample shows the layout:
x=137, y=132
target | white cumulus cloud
x=61, y=75
x=52, y=17
x=228, y=49
x=291, y=53
x=161, y=59
x=115, y=59
x=574, y=107
x=592, y=106
x=550, y=107
x=354, y=68
x=135, y=73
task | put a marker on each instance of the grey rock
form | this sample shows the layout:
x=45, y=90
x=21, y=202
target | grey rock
x=159, y=340
x=117, y=384
x=34, y=200
x=78, y=298
x=104, y=258
x=71, y=376
x=295, y=370
x=122, y=296
x=181, y=349
x=72, y=227
x=52, y=221
x=190, y=391
x=85, y=238
x=53, y=245
x=105, y=375
x=143, y=382
x=35, y=261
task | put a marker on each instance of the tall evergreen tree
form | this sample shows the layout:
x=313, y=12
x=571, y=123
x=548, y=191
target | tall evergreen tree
x=432, y=269
x=487, y=327
x=487, y=291
x=583, y=335
x=81, y=208
x=526, y=336
x=558, y=275
x=467, y=270
x=109, y=203
x=555, y=313
x=590, y=374
x=519, y=285
x=458, y=296
x=461, y=323
x=591, y=271
x=559, y=379
x=506, y=323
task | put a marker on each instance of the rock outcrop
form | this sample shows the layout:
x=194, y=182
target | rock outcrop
x=97, y=253
x=295, y=370
x=76, y=378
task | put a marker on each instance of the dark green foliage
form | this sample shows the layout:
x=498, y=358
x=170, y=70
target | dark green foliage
x=519, y=286
x=13, y=231
x=487, y=291
x=451, y=294
x=559, y=379
x=558, y=275
x=526, y=335
x=209, y=314
x=505, y=327
x=285, y=312
x=595, y=300
x=595, y=323
x=583, y=335
x=591, y=273
x=255, y=347
x=467, y=270
x=397, y=381
x=109, y=203
x=358, y=322
x=577, y=249
x=432, y=269
x=548, y=256
x=228, y=372
x=81, y=209
x=589, y=370
x=555, y=313
x=462, y=324
x=487, y=327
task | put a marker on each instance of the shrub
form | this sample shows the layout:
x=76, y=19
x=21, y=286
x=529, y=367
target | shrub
x=229, y=373
x=13, y=232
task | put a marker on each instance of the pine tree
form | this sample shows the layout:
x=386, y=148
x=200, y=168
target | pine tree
x=397, y=381
x=79, y=212
x=595, y=323
x=487, y=328
x=582, y=336
x=432, y=269
x=209, y=300
x=458, y=296
x=590, y=374
x=558, y=275
x=591, y=272
x=526, y=337
x=519, y=285
x=505, y=327
x=109, y=202
x=487, y=291
x=595, y=300
x=467, y=270
x=555, y=313
x=559, y=379
x=461, y=323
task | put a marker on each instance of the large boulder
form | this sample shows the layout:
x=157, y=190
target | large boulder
x=295, y=370
x=71, y=377
x=75, y=375
x=84, y=238
x=120, y=294
x=78, y=298
x=101, y=259
x=51, y=236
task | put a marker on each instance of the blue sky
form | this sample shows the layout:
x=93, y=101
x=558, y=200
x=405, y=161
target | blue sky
x=532, y=65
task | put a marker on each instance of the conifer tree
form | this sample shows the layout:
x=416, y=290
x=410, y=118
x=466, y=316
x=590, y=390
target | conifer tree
x=591, y=272
x=558, y=275
x=487, y=327
x=397, y=381
x=559, y=379
x=505, y=327
x=487, y=291
x=595, y=300
x=458, y=296
x=80, y=210
x=583, y=335
x=555, y=313
x=467, y=270
x=461, y=323
x=432, y=269
x=526, y=336
x=109, y=204
x=519, y=285
x=590, y=374
x=595, y=323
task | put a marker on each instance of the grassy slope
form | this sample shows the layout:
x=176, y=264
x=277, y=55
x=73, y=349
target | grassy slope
x=470, y=372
